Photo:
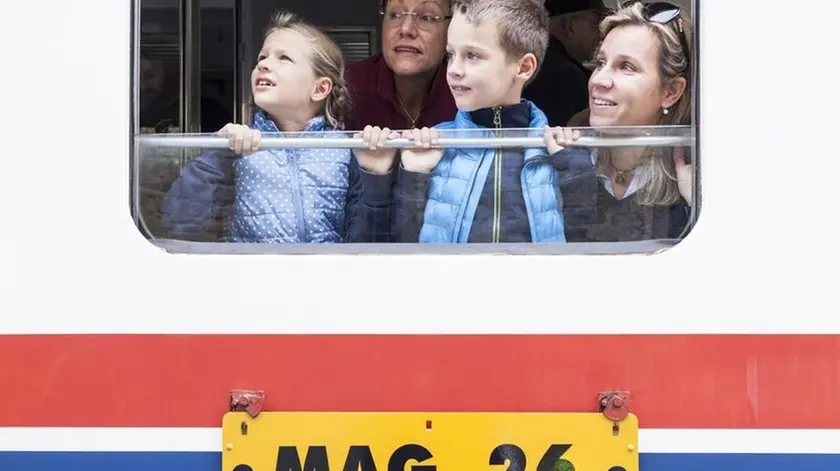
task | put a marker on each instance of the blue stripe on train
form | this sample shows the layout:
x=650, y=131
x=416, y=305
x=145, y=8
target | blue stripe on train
x=210, y=461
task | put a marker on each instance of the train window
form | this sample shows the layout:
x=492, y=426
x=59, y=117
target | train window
x=186, y=78
x=504, y=190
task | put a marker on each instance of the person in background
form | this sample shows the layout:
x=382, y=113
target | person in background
x=160, y=105
x=642, y=78
x=306, y=195
x=560, y=88
x=494, y=48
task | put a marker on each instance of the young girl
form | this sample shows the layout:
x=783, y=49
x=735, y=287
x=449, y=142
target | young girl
x=305, y=195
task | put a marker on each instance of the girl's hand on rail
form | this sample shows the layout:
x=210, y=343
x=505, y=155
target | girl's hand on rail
x=242, y=140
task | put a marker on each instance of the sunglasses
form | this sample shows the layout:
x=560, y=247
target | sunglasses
x=664, y=13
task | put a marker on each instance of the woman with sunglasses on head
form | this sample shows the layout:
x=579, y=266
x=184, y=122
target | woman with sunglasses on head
x=642, y=78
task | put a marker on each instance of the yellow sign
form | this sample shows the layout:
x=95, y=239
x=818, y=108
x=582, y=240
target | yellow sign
x=385, y=441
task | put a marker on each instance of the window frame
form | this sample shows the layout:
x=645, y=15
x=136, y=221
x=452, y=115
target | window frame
x=645, y=247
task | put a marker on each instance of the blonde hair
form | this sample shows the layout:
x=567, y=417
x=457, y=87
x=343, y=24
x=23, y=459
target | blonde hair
x=522, y=24
x=660, y=187
x=326, y=60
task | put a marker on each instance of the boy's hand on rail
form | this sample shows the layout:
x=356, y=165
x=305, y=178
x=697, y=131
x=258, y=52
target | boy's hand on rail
x=422, y=158
x=376, y=159
x=242, y=140
x=556, y=139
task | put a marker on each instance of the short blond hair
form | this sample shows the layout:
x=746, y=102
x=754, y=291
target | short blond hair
x=326, y=61
x=523, y=24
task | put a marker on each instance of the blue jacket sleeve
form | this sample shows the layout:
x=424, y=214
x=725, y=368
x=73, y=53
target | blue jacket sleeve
x=579, y=191
x=199, y=204
x=369, y=206
x=680, y=221
x=410, y=200
x=572, y=163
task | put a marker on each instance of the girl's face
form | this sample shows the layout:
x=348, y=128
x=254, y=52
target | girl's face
x=626, y=88
x=283, y=79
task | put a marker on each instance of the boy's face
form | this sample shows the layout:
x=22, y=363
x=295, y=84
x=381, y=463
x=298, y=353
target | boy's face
x=479, y=72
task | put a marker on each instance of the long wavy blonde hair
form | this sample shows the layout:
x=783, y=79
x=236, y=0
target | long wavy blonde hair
x=660, y=185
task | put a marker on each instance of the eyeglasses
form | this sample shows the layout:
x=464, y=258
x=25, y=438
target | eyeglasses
x=422, y=20
x=664, y=13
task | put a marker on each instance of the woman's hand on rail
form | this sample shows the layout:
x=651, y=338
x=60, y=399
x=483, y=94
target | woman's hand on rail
x=375, y=158
x=556, y=139
x=685, y=174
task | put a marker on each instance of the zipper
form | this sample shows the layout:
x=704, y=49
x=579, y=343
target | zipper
x=497, y=180
x=301, y=228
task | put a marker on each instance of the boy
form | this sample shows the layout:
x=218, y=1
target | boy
x=494, y=48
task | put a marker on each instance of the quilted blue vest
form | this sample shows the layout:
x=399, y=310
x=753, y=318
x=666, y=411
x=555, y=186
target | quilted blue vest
x=457, y=181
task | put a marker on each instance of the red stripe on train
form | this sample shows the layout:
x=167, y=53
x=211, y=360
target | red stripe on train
x=677, y=381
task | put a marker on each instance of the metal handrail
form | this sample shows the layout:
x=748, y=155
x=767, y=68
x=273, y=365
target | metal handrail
x=218, y=142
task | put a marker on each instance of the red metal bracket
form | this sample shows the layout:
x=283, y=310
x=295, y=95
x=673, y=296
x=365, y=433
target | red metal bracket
x=615, y=405
x=247, y=400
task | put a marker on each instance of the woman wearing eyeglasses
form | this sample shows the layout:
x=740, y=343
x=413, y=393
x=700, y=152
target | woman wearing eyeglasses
x=642, y=78
x=402, y=87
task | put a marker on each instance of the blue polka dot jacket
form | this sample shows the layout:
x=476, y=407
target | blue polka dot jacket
x=304, y=195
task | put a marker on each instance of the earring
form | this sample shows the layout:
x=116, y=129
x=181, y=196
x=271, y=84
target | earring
x=664, y=110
